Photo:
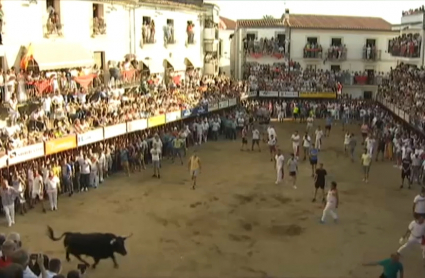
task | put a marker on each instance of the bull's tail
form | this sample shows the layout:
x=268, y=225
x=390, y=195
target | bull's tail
x=51, y=234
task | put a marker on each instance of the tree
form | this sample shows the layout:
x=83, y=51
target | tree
x=268, y=16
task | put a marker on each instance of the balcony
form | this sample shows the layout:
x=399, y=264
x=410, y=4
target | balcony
x=336, y=53
x=266, y=47
x=209, y=34
x=312, y=53
x=211, y=46
x=99, y=27
x=406, y=46
x=371, y=54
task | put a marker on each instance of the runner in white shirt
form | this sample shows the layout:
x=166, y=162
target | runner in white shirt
x=272, y=146
x=271, y=132
x=319, y=135
x=255, y=139
x=37, y=191
x=310, y=121
x=52, y=187
x=279, y=166
x=419, y=204
x=347, y=139
x=156, y=154
x=370, y=144
x=332, y=201
x=306, y=145
x=280, y=113
x=416, y=232
x=199, y=130
x=205, y=128
x=295, y=138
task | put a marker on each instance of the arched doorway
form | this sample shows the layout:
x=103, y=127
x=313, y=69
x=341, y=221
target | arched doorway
x=169, y=70
x=188, y=64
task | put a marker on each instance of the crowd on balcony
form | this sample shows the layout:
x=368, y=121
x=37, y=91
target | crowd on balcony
x=312, y=50
x=53, y=24
x=404, y=90
x=337, y=52
x=258, y=48
x=370, y=52
x=406, y=45
x=148, y=32
x=419, y=10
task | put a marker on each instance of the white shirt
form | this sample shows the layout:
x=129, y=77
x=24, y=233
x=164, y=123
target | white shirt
x=37, y=184
x=85, y=166
x=272, y=142
x=255, y=134
x=419, y=201
x=52, y=183
x=215, y=126
x=157, y=142
x=280, y=161
x=416, y=231
x=205, y=126
x=331, y=197
x=347, y=139
x=199, y=128
x=28, y=273
x=49, y=274
x=306, y=141
x=319, y=134
x=310, y=121
x=271, y=132
x=370, y=142
x=155, y=154
x=295, y=139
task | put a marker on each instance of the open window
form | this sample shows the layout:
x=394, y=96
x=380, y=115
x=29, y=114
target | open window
x=251, y=36
x=335, y=68
x=148, y=30
x=99, y=24
x=370, y=42
x=336, y=41
x=146, y=20
x=312, y=40
x=169, y=32
x=281, y=39
x=53, y=24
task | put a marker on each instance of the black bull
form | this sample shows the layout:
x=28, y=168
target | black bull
x=96, y=245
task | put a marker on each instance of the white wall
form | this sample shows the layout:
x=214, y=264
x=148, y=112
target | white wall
x=266, y=32
x=225, y=50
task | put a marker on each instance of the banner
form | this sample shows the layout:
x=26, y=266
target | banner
x=252, y=94
x=288, y=94
x=3, y=159
x=213, y=106
x=137, y=125
x=317, y=95
x=232, y=102
x=173, y=116
x=156, y=121
x=223, y=104
x=61, y=144
x=25, y=153
x=268, y=94
x=114, y=130
x=90, y=137
x=195, y=111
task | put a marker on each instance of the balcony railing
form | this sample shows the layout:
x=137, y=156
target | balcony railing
x=99, y=26
x=312, y=53
x=346, y=78
x=371, y=54
x=337, y=54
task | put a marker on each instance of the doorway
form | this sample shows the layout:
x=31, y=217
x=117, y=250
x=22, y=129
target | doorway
x=370, y=76
x=367, y=95
x=335, y=68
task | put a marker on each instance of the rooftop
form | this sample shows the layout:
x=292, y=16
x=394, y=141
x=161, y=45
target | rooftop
x=334, y=22
x=227, y=24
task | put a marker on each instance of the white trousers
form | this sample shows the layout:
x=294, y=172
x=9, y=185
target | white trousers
x=280, y=116
x=412, y=242
x=199, y=138
x=94, y=179
x=318, y=143
x=9, y=211
x=53, y=199
x=329, y=209
x=279, y=174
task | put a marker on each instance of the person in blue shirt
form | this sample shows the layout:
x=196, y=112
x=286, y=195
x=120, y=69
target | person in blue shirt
x=313, y=156
x=328, y=125
x=124, y=160
x=392, y=266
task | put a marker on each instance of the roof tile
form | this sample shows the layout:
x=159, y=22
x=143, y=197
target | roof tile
x=321, y=22
x=228, y=24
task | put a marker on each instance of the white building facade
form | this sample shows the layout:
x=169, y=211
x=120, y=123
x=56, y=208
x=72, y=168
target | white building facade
x=359, y=37
x=88, y=32
x=227, y=30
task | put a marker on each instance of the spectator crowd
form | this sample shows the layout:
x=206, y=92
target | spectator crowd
x=257, y=48
x=406, y=45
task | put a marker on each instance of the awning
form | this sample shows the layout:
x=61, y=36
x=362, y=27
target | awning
x=176, y=64
x=60, y=55
x=196, y=63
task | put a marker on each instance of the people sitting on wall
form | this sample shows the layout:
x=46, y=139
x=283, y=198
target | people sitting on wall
x=403, y=90
x=337, y=52
x=406, y=45
x=257, y=48
x=313, y=50
x=419, y=10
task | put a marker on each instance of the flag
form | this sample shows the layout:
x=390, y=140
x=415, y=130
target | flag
x=27, y=57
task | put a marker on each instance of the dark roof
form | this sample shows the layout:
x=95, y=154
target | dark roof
x=228, y=24
x=334, y=22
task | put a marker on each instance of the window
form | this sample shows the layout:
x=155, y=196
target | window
x=370, y=42
x=336, y=42
x=335, y=68
x=220, y=47
x=98, y=11
x=146, y=19
x=281, y=38
x=389, y=46
x=312, y=40
x=251, y=36
x=52, y=4
x=170, y=22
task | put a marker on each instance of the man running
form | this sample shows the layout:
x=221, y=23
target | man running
x=156, y=153
x=366, y=161
x=295, y=138
x=306, y=145
x=419, y=204
x=319, y=135
x=280, y=161
x=255, y=139
x=272, y=146
x=332, y=201
x=406, y=171
x=293, y=169
x=392, y=266
x=328, y=125
x=320, y=182
x=310, y=121
x=414, y=234
x=194, y=166
x=313, y=156
x=244, y=133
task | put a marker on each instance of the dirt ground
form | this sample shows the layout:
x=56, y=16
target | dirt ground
x=238, y=223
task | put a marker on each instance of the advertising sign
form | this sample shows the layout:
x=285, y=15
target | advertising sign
x=114, y=130
x=317, y=95
x=268, y=94
x=223, y=104
x=156, y=120
x=252, y=94
x=195, y=111
x=288, y=94
x=232, y=102
x=173, y=116
x=26, y=153
x=3, y=159
x=213, y=106
x=90, y=137
x=137, y=125
x=61, y=144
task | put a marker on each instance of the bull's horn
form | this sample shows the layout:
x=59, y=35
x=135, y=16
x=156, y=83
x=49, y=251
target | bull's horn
x=130, y=235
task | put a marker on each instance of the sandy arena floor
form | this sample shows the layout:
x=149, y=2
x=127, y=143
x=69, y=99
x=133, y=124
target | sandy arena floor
x=238, y=223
